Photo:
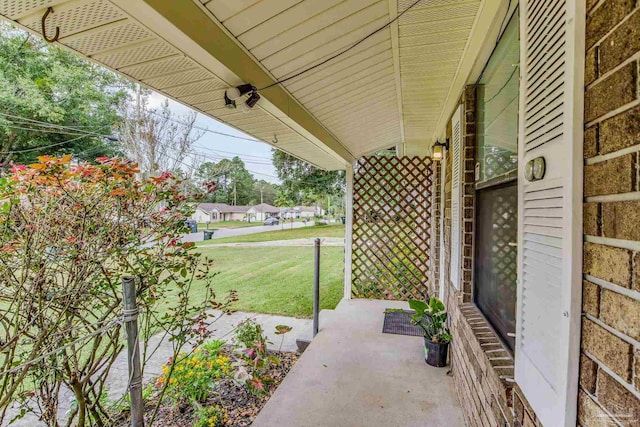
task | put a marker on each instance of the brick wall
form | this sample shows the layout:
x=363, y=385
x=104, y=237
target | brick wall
x=482, y=368
x=610, y=360
x=436, y=215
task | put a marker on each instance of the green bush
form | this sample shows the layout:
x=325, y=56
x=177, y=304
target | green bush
x=211, y=416
x=192, y=377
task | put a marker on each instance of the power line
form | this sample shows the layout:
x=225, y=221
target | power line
x=44, y=147
x=76, y=131
x=238, y=154
x=207, y=129
x=53, y=125
x=331, y=58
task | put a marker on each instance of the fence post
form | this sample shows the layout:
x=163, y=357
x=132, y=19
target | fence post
x=316, y=288
x=130, y=315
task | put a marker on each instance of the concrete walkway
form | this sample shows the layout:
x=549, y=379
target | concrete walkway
x=222, y=328
x=353, y=375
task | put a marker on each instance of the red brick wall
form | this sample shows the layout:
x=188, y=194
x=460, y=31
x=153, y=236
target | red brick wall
x=610, y=360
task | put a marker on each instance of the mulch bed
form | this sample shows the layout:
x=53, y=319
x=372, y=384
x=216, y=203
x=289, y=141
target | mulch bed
x=241, y=406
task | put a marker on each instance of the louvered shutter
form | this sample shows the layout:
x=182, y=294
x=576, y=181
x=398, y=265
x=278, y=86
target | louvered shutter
x=550, y=210
x=456, y=199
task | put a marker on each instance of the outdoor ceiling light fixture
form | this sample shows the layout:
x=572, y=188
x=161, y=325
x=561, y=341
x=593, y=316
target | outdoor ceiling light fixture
x=437, y=153
x=234, y=94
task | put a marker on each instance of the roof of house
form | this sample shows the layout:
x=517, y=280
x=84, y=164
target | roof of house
x=306, y=208
x=225, y=208
x=208, y=207
x=234, y=209
x=265, y=207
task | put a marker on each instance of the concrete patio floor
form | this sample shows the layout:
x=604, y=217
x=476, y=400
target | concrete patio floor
x=354, y=375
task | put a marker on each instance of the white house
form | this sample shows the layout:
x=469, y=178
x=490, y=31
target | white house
x=262, y=211
x=208, y=212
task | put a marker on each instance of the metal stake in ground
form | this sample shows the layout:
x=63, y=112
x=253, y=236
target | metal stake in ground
x=130, y=314
x=316, y=288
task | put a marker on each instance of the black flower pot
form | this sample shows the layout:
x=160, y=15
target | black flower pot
x=435, y=353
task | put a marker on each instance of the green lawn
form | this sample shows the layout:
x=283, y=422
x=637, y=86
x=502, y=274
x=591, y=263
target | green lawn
x=278, y=233
x=228, y=224
x=277, y=280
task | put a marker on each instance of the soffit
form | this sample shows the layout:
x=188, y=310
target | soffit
x=353, y=96
x=388, y=90
x=106, y=34
x=356, y=95
x=432, y=39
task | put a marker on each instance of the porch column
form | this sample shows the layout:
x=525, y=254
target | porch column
x=348, y=235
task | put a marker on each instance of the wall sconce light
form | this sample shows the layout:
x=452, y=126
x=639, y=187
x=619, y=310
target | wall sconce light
x=437, y=152
x=234, y=94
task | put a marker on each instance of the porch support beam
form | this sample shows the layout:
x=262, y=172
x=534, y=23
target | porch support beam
x=191, y=28
x=348, y=235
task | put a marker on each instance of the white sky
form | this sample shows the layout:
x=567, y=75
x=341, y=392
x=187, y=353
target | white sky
x=255, y=155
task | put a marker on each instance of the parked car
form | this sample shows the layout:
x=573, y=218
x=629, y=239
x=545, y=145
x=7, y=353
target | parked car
x=271, y=221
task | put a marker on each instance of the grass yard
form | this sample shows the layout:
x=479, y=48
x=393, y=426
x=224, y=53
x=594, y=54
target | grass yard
x=228, y=224
x=310, y=232
x=277, y=280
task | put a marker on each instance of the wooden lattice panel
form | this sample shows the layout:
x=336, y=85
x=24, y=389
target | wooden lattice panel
x=391, y=227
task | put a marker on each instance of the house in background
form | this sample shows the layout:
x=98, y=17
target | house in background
x=208, y=212
x=262, y=211
x=302, y=212
x=233, y=213
x=216, y=212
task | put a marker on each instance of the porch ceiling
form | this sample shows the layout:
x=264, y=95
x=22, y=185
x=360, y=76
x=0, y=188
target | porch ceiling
x=393, y=89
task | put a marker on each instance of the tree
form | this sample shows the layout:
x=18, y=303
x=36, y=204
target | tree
x=53, y=102
x=156, y=139
x=303, y=183
x=234, y=182
x=264, y=192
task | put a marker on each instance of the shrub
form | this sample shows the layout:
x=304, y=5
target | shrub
x=211, y=416
x=248, y=333
x=255, y=362
x=72, y=232
x=191, y=378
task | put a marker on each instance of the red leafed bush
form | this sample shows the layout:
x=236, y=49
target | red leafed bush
x=70, y=232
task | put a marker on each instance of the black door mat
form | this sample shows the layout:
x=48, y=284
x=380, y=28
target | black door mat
x=399, y=323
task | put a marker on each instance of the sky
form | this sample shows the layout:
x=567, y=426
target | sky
x=255, y=155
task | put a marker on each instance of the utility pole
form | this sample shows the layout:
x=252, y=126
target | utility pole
x=130, y=317
x=235, y=195
x=261, y=190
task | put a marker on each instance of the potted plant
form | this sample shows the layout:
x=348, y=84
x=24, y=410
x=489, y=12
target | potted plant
x=432, y=319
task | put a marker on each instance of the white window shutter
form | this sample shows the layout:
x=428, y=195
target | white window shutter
x=456, y=196
x=550, y=210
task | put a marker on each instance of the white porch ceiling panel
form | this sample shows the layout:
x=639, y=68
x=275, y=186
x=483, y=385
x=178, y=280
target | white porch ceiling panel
x=356, y=95
x=100, y=30
x=432, y=38
x=389, y=90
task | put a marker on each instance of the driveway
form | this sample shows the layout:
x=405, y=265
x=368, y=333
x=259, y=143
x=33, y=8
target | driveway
x=232, y=232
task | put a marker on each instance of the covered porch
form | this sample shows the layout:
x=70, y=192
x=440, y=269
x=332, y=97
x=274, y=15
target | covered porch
x=354, y=375
x=339, y=83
